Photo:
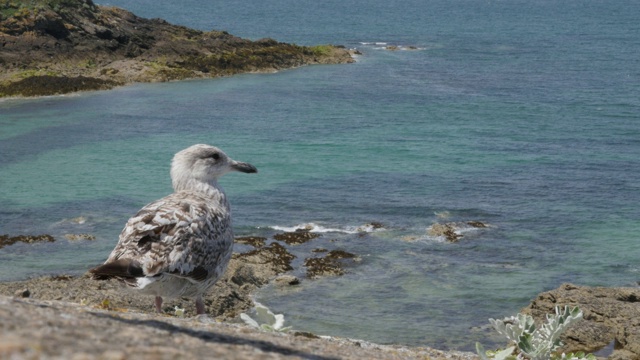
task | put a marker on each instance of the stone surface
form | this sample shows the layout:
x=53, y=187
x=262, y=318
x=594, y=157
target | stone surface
x=37, y=329
x=230, y=296
x=610, y=315
x=297, y=237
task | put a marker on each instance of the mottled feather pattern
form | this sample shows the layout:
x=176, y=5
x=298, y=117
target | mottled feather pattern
x=181, y=244
x=174, y=233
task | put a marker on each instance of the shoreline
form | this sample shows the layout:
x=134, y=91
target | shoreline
x=66, y=316
x=80, y=46
x=609, y=313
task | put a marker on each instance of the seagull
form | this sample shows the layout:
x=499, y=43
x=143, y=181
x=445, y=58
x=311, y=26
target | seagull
x=181, y=244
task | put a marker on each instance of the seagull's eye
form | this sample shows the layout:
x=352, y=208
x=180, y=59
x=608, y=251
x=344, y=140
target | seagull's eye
x=215, y=156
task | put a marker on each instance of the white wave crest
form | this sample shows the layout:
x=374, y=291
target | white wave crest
x=313, y=227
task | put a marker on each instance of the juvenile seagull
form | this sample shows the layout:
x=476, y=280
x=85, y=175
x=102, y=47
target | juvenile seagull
x=181, y=244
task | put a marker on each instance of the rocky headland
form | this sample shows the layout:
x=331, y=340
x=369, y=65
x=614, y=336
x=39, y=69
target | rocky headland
x=52, y=47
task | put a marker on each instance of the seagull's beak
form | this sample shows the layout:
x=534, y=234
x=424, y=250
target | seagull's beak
x=243, y=167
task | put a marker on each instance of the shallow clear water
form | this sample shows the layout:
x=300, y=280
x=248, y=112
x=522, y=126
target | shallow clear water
x=523, y=115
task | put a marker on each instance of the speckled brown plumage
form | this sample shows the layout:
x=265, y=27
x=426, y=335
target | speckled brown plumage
x=181, y=244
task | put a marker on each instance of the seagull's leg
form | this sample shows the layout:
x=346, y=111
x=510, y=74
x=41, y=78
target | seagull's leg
x=159, y=304
x=200, y=305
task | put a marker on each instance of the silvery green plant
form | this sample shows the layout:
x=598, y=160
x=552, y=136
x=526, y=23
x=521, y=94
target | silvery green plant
x=265, y=320
x=534, y=343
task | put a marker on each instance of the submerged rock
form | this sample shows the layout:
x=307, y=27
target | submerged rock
x=255, y=241
x=448, y=231
x=477, y=224
x=6, y=240
x=77, y=237
x=300, y=236
x=451, y=231
x=274, y=257
x=329, y=265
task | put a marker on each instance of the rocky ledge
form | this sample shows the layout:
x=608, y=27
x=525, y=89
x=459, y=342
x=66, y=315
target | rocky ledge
x=39, y=329
x=71, y=317
x=59, y=46
x=611, y=318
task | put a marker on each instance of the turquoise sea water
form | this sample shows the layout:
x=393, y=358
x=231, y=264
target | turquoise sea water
x=523, y=115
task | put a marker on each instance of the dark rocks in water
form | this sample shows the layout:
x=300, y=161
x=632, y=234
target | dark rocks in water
x=274, y=256
x=6, y=240
x=340, y=254
x=610, y=315
x=255, y=241
x=376, y=225
x=477, y=224
x=77, y=237
x=329, y=265
x=448, y=231
x=51, y=85
x=300, y=236
x=318, y=267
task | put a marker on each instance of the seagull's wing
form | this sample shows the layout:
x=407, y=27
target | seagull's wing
x=179, y=235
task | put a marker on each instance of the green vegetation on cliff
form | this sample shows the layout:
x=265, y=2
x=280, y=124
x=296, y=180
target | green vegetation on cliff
x=59, y=46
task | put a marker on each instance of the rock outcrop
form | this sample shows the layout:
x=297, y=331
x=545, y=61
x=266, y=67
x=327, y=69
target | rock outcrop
x=39, y=329
x=53, y=47
x=611, y=316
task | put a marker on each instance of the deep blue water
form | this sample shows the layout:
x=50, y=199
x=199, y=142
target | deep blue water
x=523, y=115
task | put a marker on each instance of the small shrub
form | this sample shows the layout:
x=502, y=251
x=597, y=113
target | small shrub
x=535, y=343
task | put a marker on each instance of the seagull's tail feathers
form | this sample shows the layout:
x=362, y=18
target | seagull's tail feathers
x=124, y=269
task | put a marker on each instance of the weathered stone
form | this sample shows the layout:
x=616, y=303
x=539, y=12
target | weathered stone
x=22, y=293
x=610, y=315
x=78, y=237
x=477, y=224
x=297, y=237
x=329, y=265
x=448, y=231
x=6, y=240
x=255, y=241
x=39, y=329
x=287, y=280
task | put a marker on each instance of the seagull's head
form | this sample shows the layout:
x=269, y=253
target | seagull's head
x=204, y=163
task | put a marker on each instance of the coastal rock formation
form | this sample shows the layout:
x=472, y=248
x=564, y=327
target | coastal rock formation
x=54, y=47
x=300, y=236
x=611, y=316
x=230, y=296
x=329, y=265
x=6, y=240
x=38, y=329
x=451, y=231
x=75, y=317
